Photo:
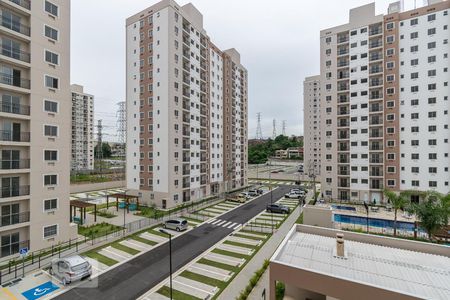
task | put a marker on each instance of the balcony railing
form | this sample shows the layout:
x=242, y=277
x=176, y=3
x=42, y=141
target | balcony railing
x=8, y=192
x=376, y=160
x=14, y=26
x=7, y=220
x=342, y=52
x=375, y=31
x=375, y=70
x=376, y=173
x=375, y=57
x=24, y=3
x=13, y=108
x=376, y=186
x=186, y=159
x=376, y=82
x=342, y=64
x=16, y=164
x=375, y=44
x=10, y=136
x=375, y=108
x=15, y=53
x=14, y=81
x=342, y=39
x=186, y=172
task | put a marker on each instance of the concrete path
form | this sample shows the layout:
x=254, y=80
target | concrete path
x=241, y=240
x=193, y=288
x=241, y=280
x=206, y=270
x=232, y=261
x=153, y=237
x=235, y=249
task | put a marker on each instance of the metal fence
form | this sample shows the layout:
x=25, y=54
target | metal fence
x=381, y=230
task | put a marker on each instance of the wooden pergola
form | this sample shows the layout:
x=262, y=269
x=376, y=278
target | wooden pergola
x=82, y=204
x=124, y=197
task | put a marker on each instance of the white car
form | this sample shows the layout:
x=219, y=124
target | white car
x=293, y=195
x=70, y=269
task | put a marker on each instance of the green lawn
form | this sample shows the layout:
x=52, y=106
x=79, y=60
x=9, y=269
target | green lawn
x=101, y=258
x=165, y=291
x=205, y=279
x=156, y=232
x=249, y=237
x=124, y=248
x=218, y=265
x=98, y=230
x=232, y=243
x=142, y=240
x=229, y=253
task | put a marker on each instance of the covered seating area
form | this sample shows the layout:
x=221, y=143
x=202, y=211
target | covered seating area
x=130, y=202
x=81, y=204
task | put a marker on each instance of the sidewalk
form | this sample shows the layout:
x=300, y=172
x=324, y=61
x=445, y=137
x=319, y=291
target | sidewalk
x=242, y=279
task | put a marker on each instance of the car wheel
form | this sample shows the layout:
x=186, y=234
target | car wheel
x=64, y=281
x=178, y=229
x=268, y=210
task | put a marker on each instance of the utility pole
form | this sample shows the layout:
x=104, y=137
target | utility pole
x=258, y=128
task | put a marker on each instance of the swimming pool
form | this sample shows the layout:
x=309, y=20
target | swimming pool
x=381, y=223
x=343, y=207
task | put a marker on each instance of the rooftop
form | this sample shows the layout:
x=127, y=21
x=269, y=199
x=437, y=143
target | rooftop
x=400, y=266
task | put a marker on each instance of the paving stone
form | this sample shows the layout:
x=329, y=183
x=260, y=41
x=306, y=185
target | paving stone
x=194, y=288
x=235, y=249
x=135, y=245
x=253, y=235
x=114, y=253
x=153, y=237
x=228, y=260
x=244, y=241
x=199, y=269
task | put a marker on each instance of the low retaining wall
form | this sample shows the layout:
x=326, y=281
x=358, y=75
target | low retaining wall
x=88, y=187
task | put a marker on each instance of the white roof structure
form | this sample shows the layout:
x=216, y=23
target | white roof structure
x=403, y=271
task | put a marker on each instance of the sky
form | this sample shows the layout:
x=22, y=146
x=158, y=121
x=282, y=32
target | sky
x=278, y=42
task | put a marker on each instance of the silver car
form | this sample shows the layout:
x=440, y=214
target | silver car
x=176, y=224
x=70, y=269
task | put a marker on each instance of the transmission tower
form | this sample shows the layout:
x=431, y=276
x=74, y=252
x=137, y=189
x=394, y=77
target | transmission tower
x=121, y=125
x=258, y=128
x=283, y=130
x=274, y=133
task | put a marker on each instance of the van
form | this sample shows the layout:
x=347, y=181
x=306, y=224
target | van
x=70, y=269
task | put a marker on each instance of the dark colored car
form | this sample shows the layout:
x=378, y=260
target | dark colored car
x=253, y=193
x=277, y=208
x=260, y=191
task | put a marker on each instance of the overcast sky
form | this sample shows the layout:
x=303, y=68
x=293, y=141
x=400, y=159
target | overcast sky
x=278, y=42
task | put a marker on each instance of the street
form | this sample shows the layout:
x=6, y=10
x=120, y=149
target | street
x=137, y=276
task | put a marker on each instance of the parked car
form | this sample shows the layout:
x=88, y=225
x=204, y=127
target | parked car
x=176, y=224
x=70, y=269
x=277, y=208
x=246, y=195
x=239, y=199
x=253, y=193
x=298, y=191
x=260, y=191
x=293, y=195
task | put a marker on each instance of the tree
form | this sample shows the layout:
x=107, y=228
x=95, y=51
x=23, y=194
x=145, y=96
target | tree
x=398, y=201
x=106, y=150
x=433, y=212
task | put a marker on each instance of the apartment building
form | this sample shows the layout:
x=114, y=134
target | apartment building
x=35, y=149
x=372, y=129
x=82, y=129
x=186, y=108
x=311, y=123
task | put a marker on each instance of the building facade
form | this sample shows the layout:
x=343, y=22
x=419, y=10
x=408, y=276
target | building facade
x=311, y=123
x=82, y=129
x=186, y=108
x=373, y=135
x=36, y=107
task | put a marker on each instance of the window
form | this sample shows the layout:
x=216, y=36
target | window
x=390, y=64
x=51, y=57
x=414, y=35
x=414, y=48
x=50, y=155
x=431, y=17
x=432, y=183
x=50, y=180
x=51, y=33
x=432, y=170
x=51, y=82
x=390, y=39
x=414, y=62
x=50, y=231
x=414, y=22
x=50, y=204
x=431, y=31
x=51, y=8
x=432, y=155
x=390, y=78
x=50, y=130
x=431, y=73
x=432, y=59
x=390, y=25
x=50, y=106
x=431, y=45
x=414, y=89
x=432, y=128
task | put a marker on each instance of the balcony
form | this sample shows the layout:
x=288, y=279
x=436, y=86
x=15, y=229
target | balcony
x=343, y=99
x=8, y=23
x=15, y=53
x=375, y=108
x=376, y=185
x=12, y=108
x=24, y=3
x=375, y=56
x=375, y=146
x=343, y=87
x=343, y=112
x=342, y=64
x=375, y=82
x=8, y=220
x=15, y=164
x=342, y=39
x=186, y=159
x=374, y=70
x=11, y=136
x=344, y=172
x=376, y=121
x=375, y=44
x=376, y=134
x=186, y=172
x=375, y=31
x=14, y=81
x=186, y=146
x=344, y=184
x=376, y=173
x=186, y=133
x=343, y=123
x=8, y=192
x=376, y=160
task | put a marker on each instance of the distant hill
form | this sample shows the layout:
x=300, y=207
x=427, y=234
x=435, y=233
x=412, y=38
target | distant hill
x=259, y=151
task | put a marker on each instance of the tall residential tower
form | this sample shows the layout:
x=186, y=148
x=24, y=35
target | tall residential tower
x=311, y=124
x=186, y=108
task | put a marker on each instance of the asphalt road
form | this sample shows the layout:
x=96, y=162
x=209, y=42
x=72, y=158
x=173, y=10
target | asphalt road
x=135, y=277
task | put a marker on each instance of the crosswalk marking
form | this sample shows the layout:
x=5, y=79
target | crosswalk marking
x=226, y=224
x=236, y=227
x=223, y=223
x=220, y=223
x=215, y=222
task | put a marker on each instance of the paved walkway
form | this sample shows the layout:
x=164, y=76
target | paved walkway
x=242, y=279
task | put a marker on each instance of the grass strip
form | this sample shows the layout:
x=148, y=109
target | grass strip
x=142, y=240
x=155, y=232
x=219, y=265
x=264, y=235
x=249, y=237
x=124, y=248
x=165, y=291
x=204, y=279
x=233, y=243
x=101, y=258
x=231, y=254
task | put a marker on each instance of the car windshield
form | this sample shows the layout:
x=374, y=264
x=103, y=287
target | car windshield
x=80, y=267
x=184, y=222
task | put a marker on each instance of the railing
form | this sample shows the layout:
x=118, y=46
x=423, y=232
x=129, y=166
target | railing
x=343, y=112
x=14, y=80
x=375, y=31
x=13, y=108
x=15, y=53
x=14, y=26
x=7, y=220
x=375, y=57
x=186, y=146
x=376, y=82
x=375, y=44
x=14, y=164
x=186, y=133
x=375, y=109
x=376, y=134
x=376, y=174
x=375, y=70
x=343, y=39
x=343, y=136
x=343, y=161
x=186, y=159
x=376, y=161
x=8, y=192
x=342, y=64
x=343, y=184
x=24, y=3
x=342, y=52
x=186, y=172
x=376, y=186
x=10, y=136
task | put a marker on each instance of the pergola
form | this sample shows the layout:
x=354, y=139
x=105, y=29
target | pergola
x=82, y=204
x=123, y=197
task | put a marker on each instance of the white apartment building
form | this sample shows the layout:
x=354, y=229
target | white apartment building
x=82, y=129
x=311, y=124
x=384, y=114
x=36, y=107
x=180, y=91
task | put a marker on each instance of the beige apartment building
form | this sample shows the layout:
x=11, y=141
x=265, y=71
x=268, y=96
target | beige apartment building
x=82, y=129
x=34, y=113
x=186, y=108
x=384, y=103
x=311, y=124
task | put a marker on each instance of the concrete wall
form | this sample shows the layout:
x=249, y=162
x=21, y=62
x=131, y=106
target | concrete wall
x=80, y=188
x=318, y=216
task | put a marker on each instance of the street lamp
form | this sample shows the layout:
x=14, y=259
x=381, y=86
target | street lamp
x=271, y=198
x=124, y=210
x=170, y=258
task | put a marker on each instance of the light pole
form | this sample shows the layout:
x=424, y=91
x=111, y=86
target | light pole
x=170, y=259
x=124, y=210
x=271, y=199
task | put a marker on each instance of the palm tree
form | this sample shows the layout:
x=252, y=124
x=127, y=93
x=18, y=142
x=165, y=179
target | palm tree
x=398, y=201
